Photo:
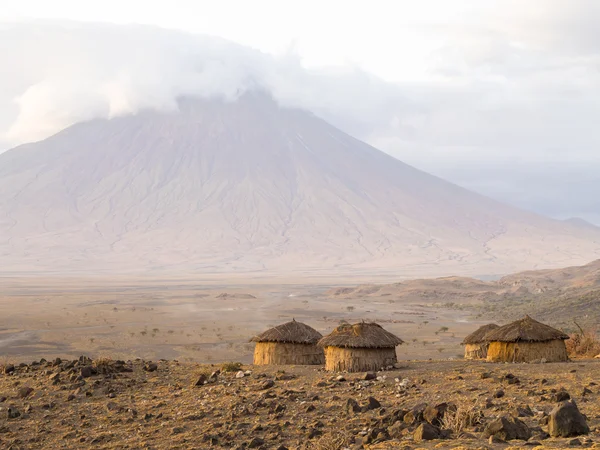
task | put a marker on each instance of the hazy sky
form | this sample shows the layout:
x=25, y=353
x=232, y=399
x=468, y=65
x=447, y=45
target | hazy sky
x=498, y=96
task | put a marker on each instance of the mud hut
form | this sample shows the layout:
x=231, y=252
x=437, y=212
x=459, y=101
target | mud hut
x=290, y=343
x=526, y=340
x=476, y=344
x=360, y=347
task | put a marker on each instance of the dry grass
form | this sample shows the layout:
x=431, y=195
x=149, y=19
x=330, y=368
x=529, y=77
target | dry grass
x=462, y=418
x=333, y=441
x=231, y=367
x=585, y=343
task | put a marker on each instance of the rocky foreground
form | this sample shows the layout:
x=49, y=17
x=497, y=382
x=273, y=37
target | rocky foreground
x=435, y=404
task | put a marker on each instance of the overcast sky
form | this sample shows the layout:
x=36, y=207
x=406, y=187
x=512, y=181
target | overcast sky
x=501, y=97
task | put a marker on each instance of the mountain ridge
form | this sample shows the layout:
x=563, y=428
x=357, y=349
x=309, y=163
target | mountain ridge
x=250, y=187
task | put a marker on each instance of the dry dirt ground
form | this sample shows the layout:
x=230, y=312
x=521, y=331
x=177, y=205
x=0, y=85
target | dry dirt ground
x=195, y=322
x=104, y=404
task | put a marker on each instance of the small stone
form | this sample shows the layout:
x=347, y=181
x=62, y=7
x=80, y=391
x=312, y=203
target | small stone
x=13, y=413
x=495, y=440
x=150, y=367
x=352, y=406
x=24, y=392
x=268, y=384
x=499, y=393
x=372, y=403
x=201, y=380
x=560, y=396
x=8, y=369
x=55, y=377
x=340, y=378
x=86, y=371
x=426, y=432
x=574, y=442
x=240, y=374
x=370, y=376
x=177, y=430
x=256, y=442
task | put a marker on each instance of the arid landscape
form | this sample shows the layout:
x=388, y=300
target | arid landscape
x=191, y=330
x=210, y=322
x=108, y=404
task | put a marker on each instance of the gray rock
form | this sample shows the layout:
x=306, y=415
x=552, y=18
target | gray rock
x=435, y=414
x=372, y=403
x=565, y=420
x=86, y=371
x=24, y=392
x=370, y=376
x=508, y=428
x=426, y=432
x=560, y=396
x=352, y=406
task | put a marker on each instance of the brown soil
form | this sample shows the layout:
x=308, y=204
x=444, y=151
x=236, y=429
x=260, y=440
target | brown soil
x=137, y=405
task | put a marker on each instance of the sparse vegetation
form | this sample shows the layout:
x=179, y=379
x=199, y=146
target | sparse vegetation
x=231, y=367
x=583, y=343
x=332, y=441
x=462, y=417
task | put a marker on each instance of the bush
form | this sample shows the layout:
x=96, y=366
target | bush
x=231, y=367
x=465, y=416
x=584, y=343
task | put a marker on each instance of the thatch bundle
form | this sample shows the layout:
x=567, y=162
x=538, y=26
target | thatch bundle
x=526, y=340
x=359, y=347
x=290, y=343
x=476, y=344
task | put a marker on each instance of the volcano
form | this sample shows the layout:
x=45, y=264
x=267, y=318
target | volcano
x=250, y=187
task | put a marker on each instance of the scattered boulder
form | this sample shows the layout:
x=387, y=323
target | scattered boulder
x=372, y=403
x=435, y=414
x=566, y=420
x=560, y=396
x=8, y=369
x=426, y=432
x=13, y=413
x=150, y=367
x=352, y=406
x=201, y=380
x=24, y=392
x=86, y=371
x=508, y=428
x=268, y=384
x=256, y=442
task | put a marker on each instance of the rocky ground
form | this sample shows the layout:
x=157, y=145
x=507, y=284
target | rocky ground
x=108, y=404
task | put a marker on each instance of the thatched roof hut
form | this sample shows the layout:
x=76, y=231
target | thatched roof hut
x=290, y=343
x=360, y=347
x=526, y=340
x=476, y=344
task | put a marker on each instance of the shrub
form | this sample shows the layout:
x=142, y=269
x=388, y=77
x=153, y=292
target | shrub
x=583, y=343
x=333, y=441
x=461, y=418
x=231, y=367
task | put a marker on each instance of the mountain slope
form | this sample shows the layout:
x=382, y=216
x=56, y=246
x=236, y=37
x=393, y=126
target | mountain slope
x=559, y=297
x=249, y=186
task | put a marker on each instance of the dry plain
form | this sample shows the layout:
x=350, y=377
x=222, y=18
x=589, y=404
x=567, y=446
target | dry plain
x=200, y=322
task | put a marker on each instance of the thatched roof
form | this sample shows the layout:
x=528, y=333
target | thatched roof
x=525, y=330
x=291, y=332
x=360, y=335
x=479, y=336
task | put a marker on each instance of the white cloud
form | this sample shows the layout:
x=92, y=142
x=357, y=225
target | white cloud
x=502, y=85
